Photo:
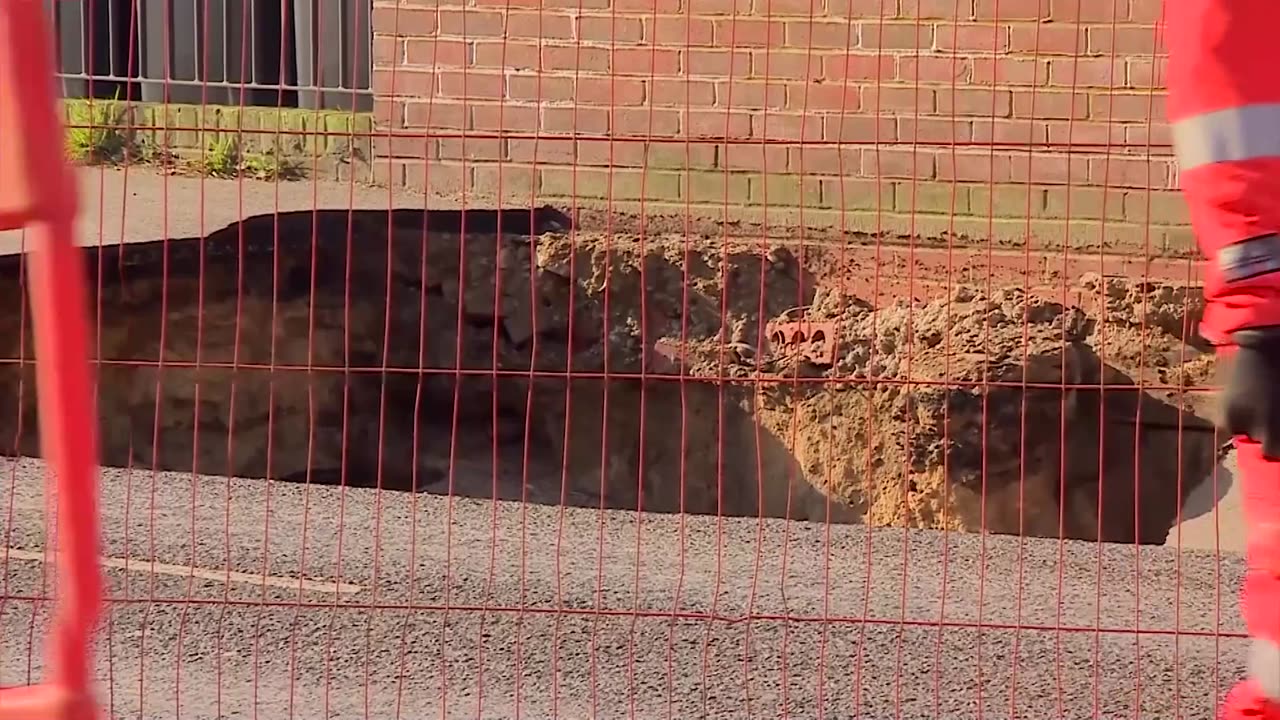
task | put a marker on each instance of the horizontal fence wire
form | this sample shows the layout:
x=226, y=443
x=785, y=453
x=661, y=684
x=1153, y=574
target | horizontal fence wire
x=595, y=358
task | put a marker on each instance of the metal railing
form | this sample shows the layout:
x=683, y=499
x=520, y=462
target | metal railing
x=276, y=53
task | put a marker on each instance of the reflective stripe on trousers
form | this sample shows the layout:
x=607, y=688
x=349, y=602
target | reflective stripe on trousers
x=1264, y=666
x=1235, y=134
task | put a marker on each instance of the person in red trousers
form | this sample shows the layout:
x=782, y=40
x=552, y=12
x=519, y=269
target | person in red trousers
x=1224, y=111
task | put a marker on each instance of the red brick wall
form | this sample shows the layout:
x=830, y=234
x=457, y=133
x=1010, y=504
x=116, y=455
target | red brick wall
x=987, y=118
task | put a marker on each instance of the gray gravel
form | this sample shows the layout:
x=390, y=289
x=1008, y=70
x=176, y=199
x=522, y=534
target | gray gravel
x=475, y=609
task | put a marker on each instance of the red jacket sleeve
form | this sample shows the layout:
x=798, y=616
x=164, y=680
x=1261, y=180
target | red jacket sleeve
x=1224, y=108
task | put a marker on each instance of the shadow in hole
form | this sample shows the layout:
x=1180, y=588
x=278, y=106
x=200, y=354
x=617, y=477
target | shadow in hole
x=1081, y=463
x=1206, y=493
x=282, y=360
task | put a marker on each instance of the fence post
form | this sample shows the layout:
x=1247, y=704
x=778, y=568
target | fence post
x=38, y=191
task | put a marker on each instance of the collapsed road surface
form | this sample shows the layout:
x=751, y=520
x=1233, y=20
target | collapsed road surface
x=267, y=599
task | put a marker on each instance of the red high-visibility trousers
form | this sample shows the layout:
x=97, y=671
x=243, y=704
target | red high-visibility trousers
x=1224, y=110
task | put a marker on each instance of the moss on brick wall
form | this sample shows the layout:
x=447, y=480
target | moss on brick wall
x=324, y=144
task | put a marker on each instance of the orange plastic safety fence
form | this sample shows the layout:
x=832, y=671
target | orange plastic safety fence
x=636, y=358
x=38, y=192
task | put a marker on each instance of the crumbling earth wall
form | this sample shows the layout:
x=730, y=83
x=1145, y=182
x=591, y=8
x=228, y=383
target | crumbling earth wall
x=635, y=372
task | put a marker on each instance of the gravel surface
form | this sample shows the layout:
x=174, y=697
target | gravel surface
x=473, y=609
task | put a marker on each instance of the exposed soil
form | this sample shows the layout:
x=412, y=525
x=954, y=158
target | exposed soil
x=643, y=372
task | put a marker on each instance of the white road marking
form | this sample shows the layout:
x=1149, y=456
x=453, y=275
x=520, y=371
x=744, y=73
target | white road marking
x=160, y=568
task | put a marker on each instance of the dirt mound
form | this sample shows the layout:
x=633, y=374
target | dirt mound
x=1064, y=413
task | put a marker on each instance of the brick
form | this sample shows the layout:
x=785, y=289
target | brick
x=472, y=149
x=871, y=9
x=542, y=150
x=717, y=123
x=715, y=187
x=805, y=8
x=1010, y=132
x=1049, y=105
x=718, y=63
x=1009, y=10
x=974, y=166
x=472, y=23
x=856, y=194
x=404, y=22
x=387, y=50
x=1146, y=11
x=810, y=160
x=860, y=67
x=1106, y=40
x=1178, y=241
x=405, y=146
x=782, y=65
x=751, y=95
x=753, y=156
x=1127, y=107
x=647, y=61
x=481, y=86
x=578, y=4
x=738, y=33
x=826, y=98
x=848, y=128
x=1040, y=39
x=927, y=197
x=1008, y=201
x=437, y=178
x=786, y=126
x=1084, y=203
x=610, y=29
x=681, y=155
x=1085, y=133
x=952, y=70
x=436, y=115
x=886, y=99
x=1153, y=137
x=680, y=30
x=821, y=35
x=1087, y=72
x=576, y=120
x=898, y=163
x=541, y=87
x=784, y=190
x=1010, y=71
x=648, y=122
x=1147, y=72
x=599, y=151
x=405, y=83
x=936, y=130
x=504, y=117
x=975, y=102
x=575, y=58
x=609, y=91
x=508, y=184
x=972, y=38
x=1044, y=168
x=1129, y=172
x=683, y=93
x=506, y=55
x=388, y=113
x=646, y=185
x=894, y=36
x=936, y=9
x=540, y=26
x=1099, y=11
x=719, y=7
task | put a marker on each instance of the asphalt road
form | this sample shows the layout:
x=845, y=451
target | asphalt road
x=469, y=609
